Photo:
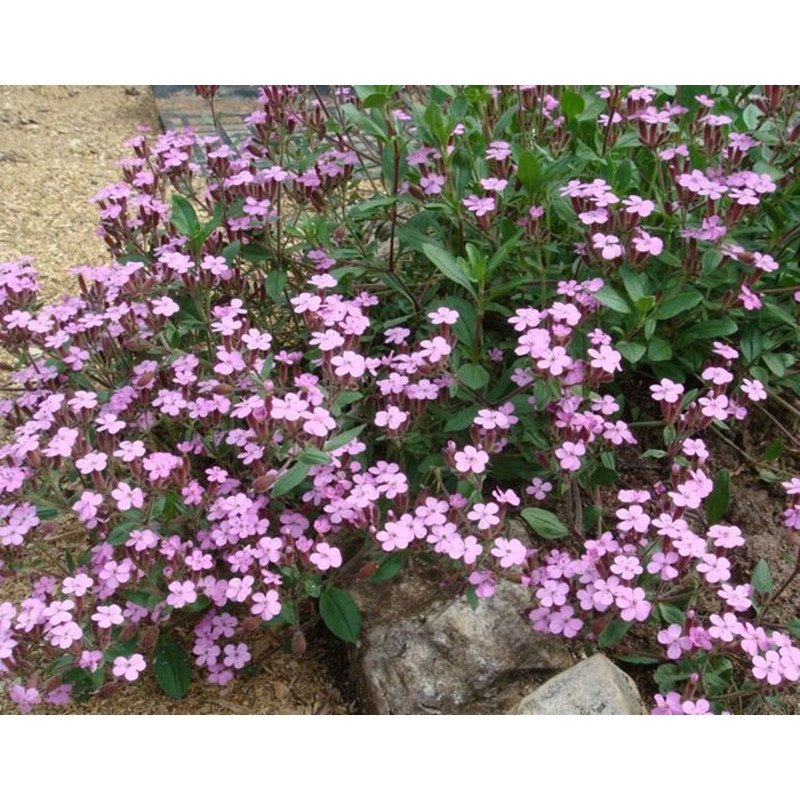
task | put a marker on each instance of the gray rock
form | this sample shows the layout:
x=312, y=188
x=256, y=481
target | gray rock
x=593, y=686
x=419, y=654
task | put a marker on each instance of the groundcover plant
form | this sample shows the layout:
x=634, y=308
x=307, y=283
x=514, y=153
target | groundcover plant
x=399, y=324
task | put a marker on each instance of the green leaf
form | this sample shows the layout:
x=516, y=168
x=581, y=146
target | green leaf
x=613, y=632
x=473, y=600
x=172, y=667
x=718, y=501
x=668, y=676
x=776, y=363
x=654, y=453
x=363, y=122
x=448, y=266
x=571, y=103
x=584, y=152
x=794, y=627
x=639, y=659
x=672, y=614
x=710, y=261
x=678, y=304
x=184, y=217
x=276, y=283
x=611, y=298
x=712, y=329
x=46, y=511
x=529, y=171
x=255, y=252
x=502, y=253
x=293, y=477
x=312, y=457
x=623, y=175
x=341, y=439
x=545, y=523
x=634, y=283
x=461, y=420
x=390, y=567
x=751, y=116
x=631, y=351
x=366, y=208
x=670, y=259
x=659, y=349
x=773, y=450
x=122, y=532
x=340, y=613
x=473, y=375
x=762, y=578
x=229, y=252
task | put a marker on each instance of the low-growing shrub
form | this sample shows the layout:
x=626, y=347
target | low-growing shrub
x=397, y=323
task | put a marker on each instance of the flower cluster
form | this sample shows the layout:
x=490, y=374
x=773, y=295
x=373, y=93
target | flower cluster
x=361, y=334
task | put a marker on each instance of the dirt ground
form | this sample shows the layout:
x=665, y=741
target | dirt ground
x=58, y=146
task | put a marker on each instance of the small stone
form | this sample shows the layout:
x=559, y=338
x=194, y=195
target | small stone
x=444, y=657
x=593, y=686
x=281, y=690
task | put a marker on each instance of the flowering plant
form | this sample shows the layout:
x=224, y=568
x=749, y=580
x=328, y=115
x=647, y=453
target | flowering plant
x=394, y=323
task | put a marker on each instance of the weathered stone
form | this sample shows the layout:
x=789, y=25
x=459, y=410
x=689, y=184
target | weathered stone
x=419, y=654
x=593, y=686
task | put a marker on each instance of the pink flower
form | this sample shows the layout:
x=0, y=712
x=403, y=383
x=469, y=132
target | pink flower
x=768, y=668
x=634, y=605
x=432, y=183
x=480, y=206
x=564, y=622
x=485, y=515
x=627, y=567
x=552, y=593
x=181, y=593
x=236, y=655
x=716, y=569
x=635, y=205
x=737, y=597
x=392, y=418
x=267, y=606
x=326, y=557
x=484, y=583
x=667, y=391
x=92, y=462
x=643, y=242
x=127, y=498
x=498, y=151
x=539, y=489
x=87, y=506
x=349, y=363
x=443, y=316
x=165, y=307
x=672, y=638
x=511, y=552
x=724, y=627
x=470, y=459
x=754, y=390
x=608, y=245
x=750, y=300
x=106, y=616
x=569, y=454
x=494, y=184
x=606, y=358
x=434, y=350
x=715, y=407
x=128, y=668
x=318, y=422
